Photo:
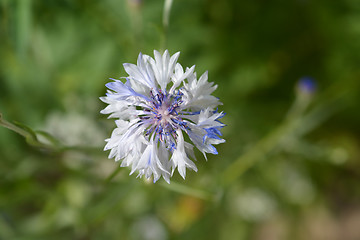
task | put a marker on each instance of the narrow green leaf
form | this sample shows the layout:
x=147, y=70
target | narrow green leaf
x=54, y=141
x=31, y=133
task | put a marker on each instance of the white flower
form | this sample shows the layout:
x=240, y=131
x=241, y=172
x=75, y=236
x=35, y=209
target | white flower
x=156, y=104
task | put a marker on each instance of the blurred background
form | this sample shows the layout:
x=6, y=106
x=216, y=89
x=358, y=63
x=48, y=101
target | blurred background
x=288, y=75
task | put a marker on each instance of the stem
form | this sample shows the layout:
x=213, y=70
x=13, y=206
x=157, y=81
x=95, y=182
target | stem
x=247, y=160
x=295, y=125
x=183, y=189
x=113, y=174
x=13, y=127
x=32, y=139
x=166, y=22
x=166, y=14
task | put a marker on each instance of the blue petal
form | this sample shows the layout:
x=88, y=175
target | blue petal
x=212, y=133
x=213, y=130
x=212, y=149
x=122, y=91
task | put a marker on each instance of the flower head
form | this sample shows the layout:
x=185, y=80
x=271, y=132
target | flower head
x=156, y=105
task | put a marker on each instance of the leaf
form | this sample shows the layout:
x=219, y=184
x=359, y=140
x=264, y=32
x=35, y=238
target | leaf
x=49, y=137
x=13, y=127
x=25, y=131
x=31, y=136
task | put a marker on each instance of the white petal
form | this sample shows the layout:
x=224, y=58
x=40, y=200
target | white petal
x=141, y=73
x=198, y=93
x=179, y=158
x=179, y=77
x=163, y=67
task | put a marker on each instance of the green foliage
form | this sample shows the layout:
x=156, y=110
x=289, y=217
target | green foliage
x=289, y=168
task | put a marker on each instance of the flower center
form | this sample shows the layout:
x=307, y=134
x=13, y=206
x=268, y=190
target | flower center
x=164, y=114
x=162, y=117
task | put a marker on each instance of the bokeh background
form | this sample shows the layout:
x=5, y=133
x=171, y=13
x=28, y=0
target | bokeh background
x=290, y=167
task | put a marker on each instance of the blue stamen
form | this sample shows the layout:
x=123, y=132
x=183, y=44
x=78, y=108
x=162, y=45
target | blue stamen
x=165, y=127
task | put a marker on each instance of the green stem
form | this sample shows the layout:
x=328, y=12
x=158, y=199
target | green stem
x=295, y=125
x=32, y=139
x=113, y=174
x=261, y=148
x=166, y=22
x=183, y=189
x=13, y=127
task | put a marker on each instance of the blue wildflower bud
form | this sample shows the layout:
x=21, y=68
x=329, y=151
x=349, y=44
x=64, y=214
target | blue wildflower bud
x=306, y=85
